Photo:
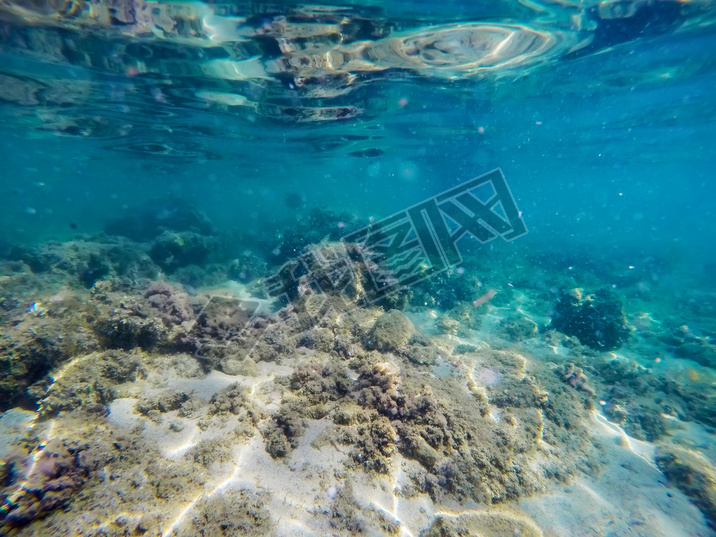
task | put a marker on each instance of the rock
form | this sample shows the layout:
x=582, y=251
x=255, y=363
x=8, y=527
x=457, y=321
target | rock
x=597, y=320
x=312, y=228
x=517, y=328
x=391, y=331
x=172, y=250
x=246, y=367
x=685, y=344
x=64, y=468
x=173, y=306
x=39, y=259
x=247, y=267
x=575, y=377
x=489, y=524
x=157, y=216
x=233, y=512
x=129, y=331
x=88, y=261
x=446, y=290
x=165, y=401
x=447, y=325
x=95, y=269
x=282, y=432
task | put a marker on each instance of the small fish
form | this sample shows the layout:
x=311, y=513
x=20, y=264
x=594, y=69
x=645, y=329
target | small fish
x=484, y=298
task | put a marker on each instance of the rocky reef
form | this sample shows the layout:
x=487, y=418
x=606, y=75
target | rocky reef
x=157, y=407
x=596, y=319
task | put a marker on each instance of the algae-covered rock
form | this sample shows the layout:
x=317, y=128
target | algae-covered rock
x=172, y=250
x=210, y=451
x=152, y=218
x=247, y=267
x=446, y=290
x=90, y=389
x=95, y=268
x=63, y=471
x=129, y=331
x=517, y=327
x=232, y=400
x=684, y=343
x=391, y=331
x=33, y=342
x=311, y=228
x=282, y=432
x=39, y=259
x=231, y=512
x=87, y=261
x=597, y=320
x=173, y=306
x=166, y=401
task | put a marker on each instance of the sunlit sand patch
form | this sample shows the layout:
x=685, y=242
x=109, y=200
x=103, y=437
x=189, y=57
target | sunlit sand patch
x=172, y=445
x=692, y=436
x=644, y=450
x=559, y=350
x=411, y=514
x=628, y=497
x=298, y=486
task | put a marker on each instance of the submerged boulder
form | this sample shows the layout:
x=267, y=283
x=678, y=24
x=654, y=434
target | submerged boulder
x=391, y=331
x=154, y=217
x=312, y=228
x=172, y=250
x=684, y=343
x=596, y=319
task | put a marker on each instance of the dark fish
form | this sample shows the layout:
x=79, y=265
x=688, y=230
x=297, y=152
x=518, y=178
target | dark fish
x=372, y=152
x=294, y=200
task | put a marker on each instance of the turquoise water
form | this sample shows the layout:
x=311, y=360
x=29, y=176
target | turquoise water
x=190, y=143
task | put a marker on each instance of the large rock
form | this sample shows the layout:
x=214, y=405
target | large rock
x=391, y=331
x=172, y=250
x=597, y=319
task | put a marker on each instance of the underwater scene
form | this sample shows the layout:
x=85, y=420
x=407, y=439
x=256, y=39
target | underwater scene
x=409, y=269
